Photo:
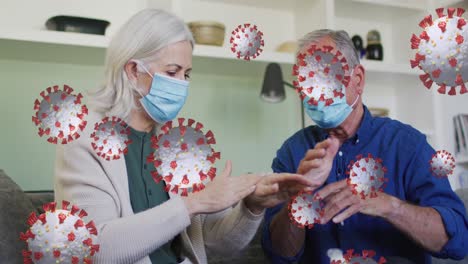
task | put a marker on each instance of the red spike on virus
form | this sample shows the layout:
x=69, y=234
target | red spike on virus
x=441, y=51
x=321, y=74
x=57, y=240
x=366, y=176
x=246, y=41
x=185, y=161
x=59, y=115
x=304, y=210
x=442, y=164
x=110, y=138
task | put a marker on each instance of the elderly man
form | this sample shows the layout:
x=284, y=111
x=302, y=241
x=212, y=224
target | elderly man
x=418, y=214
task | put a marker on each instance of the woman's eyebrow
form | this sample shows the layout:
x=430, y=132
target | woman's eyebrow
x=178, y=66
x=174, y=64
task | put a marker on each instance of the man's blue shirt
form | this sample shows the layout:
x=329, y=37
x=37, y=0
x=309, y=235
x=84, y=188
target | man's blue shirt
x=406, y=155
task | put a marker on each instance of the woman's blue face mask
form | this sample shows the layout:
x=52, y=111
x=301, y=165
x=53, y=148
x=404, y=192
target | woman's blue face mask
x=166, y=97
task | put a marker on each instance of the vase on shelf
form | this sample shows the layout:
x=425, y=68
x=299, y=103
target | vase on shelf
x=374, y=50
x=359, y=45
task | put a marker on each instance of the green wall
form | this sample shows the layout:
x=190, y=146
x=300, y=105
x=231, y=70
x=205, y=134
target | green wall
x=248, y=131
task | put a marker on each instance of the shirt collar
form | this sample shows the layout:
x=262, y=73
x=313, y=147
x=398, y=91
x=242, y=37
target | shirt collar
x=364, y=131
x=141, y=134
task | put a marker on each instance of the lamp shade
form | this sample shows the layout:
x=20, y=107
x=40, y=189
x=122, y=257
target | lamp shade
x=273, y=85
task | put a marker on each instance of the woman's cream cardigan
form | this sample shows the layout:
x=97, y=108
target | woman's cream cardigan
x=101, y=188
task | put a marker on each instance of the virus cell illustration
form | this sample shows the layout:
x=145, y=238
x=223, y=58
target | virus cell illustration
x=442, y=51
x=442, y=164
x=183, y=157
x=305, y=210
x=367, y=257
x=246, y=41
x=366, y=176
x=59, y=236
x=321, y=74
x=110, y=138
x=336, y=256
x=60, y=115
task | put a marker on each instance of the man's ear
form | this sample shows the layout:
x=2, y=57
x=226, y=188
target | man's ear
x=360, y=78
x=131, y=70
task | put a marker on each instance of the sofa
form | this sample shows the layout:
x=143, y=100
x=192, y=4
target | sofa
x=16, y=205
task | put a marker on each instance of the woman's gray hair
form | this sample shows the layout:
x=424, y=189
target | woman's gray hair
x=339, y=37
x=140, y=38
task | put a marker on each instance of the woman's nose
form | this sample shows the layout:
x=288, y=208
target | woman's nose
x=181, y=76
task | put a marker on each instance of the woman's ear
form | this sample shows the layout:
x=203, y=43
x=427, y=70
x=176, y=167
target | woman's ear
x=131, y=69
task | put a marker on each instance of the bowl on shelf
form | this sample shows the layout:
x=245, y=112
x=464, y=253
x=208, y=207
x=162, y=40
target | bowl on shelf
x=207, y=32
x=379, y=112
x=287, y=47
x=77, y=24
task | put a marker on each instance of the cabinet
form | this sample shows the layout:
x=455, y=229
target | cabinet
x=391, y=83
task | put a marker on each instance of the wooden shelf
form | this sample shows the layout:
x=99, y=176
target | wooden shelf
x=55, y=37
x=461, y=159
x=286, y=58
x=393, y=68
x=420, y=5
x=53, y=47
x=101, y=42
x=271, y=4
x=87, y=49
x=225, y=53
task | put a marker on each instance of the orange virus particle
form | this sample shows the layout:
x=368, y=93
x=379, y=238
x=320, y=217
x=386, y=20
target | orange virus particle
x=442, y=50
x=442, y=164
x=350, y=257
x=110, y=138
x=321, y=74
x=246, y=41
x=183, y=156
x=366, y=176
x=305, y=210
x=59, y=236
x=60, y=114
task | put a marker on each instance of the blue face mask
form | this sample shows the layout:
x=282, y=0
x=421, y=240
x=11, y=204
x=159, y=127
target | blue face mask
x=332, y=115
x=166, y=97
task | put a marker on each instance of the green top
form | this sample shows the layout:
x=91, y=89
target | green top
x=144, y=192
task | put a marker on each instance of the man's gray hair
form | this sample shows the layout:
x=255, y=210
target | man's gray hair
x=340, y=38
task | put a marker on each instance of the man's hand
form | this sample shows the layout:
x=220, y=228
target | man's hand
x=274, y=189
x=341, y=203
x=422, y=224
x=318, y=162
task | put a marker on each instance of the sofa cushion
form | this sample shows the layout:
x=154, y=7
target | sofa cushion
x=39, y=198
x=15, y=207
x=253, y=254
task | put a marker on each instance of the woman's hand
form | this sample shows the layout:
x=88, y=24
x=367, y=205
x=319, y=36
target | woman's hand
x=223, y=192
x=274, y=189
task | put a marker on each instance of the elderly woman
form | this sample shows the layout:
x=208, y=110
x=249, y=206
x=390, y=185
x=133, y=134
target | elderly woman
x=148, y=66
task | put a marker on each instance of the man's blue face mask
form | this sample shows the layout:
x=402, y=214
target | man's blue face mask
x=166, y=97
x=332, y=115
